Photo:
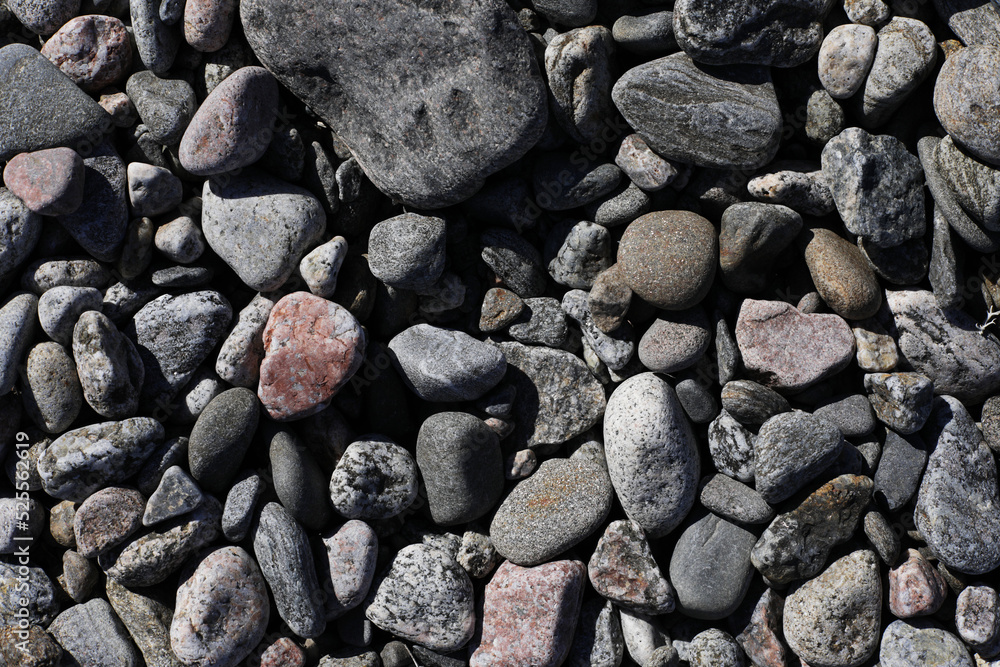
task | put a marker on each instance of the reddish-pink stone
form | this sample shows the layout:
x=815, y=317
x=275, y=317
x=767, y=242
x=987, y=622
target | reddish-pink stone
x=530, y=614
x=207, y=23
x=787, y=349
x=761, y=640
x=49, y=182
x=916, y=588
x=312, y=347
x=283, y=653
x=94, y=51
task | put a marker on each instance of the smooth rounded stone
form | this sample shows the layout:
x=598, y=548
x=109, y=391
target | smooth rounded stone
x=298, y=481
x=919, y=642
x=48, y=182
x=20, y=521
x=321, y=266
x=241, y=211
x=675, y=341
x=648, y=32
x=902, y=401
x=100, y=224
x=79, y=576
x=500, y=307
x=709, y=648
x=899, y=470
x=877, y=186
x=283, y=553
x=787, y=349
x=349, y=568
x=751, y=403
x=794, y=184
x=152, y=190
x=420, y=149
x=42, y=604
x=571, y=13
x=94, y=635
x=668, y=258
x=208, y=23
x=156, y=42
x=241, y=503
x=43, y=18
x=670, y=102
x=797, y=543
x=17, y=327
x=583, y=255
x=60, y=307
x=710, y=567
x=175, y=496
x=461, y=465
x=180, y=240
x=561, y=504
x=50, y=388
x=943, y=272
x=107, y=518
x=110, y=369
x=976, y=186
x=945, y=346
x=182, y=276
x=579, y=77
x=61, y=517
x=530, y=613
x=876, y=349
x=642, y=635
x=841, y=275
x=286, y=653
x=834, y=619
x=623, y=570
x=824, y=119
x=598, y=640
x=424, y=597
x=174, y=335
x=614, y=349
x=446, y=365
x=239, y=357
x=232, y=127
x=43, y=275
x=86, y=459
x=165, y=106
x=222, y=610
x=408, y=251
x=791, y=450
x=137, y=249
x=374, y=479
x=734, y=501
x=20, y=231
x=514, y=260
x=698, y=402
x=845, y=57
x=195, y=396
x=853, y=415
x=623, y=205
x=731, y=447
x=645, y=169
x=542, y=321
x=880, y=534
x=965, y=95
x=977, y=619
x=221, y=436
x=652, y=454
x=751, y=237
x=92, y=50
x=147, y=621
x=560, y=183
x=906, y=55
x=956, y=503
x=916, y=588
x=749, y=32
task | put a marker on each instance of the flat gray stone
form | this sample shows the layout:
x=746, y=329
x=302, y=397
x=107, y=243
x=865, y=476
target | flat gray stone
x=791, y=450
x=94, y=635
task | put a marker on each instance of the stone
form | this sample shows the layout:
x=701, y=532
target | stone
x=60, y=307
x=645, y=169
x=165, y=106
x=349, y=566
x=902, y=401
x=710, y=567
x=221, y=437
x=835, y=618
x=321, y=266
x=798, y=542
x=299, y=482
x=748, y=402
x=283, y=653
x=560, y=505
x=107, y=518
x=976, y=186
x=752, y=236
x=578, y=72
x=733, y=500
x=241, y=352
x=668, y=258
x=853, y=415
x=900, y=469
x=446, y=365
x=872, y=13
x=156, y=42
x=562, y=184
x=698, y=402
x=642, y=635
x=529, y=614
x=500, y=308
x=976, y=614
x=48, y=182
x=374, y=479
x=86, y=459
x=43, y=275
x=514, y=260
x=152, y=190
x=50, y=388
x=915, y=587
x=180, y=240
x=761, y=640
x=965, y=94
x=905, y=57
x=100, y=223
x=207, y=23
x=921, y=643
x=408, y=251
x=110, y=369
x=285, y=559
x=241, y=505
x=615, y=349
x=542, y=322
x=20, y=231
x=583, y=255
x=787, y=349
x=651, y=453
x=20, y=521
x=842, y=276
x=438, y=101
x=845, y=58
x=17, y=325
x=876, y=349
x=623, y=570
x=598, y=640
x=176, y=495
x=712, y=647
x=92, y=50
x=94, y=636
x=260, y=226
x=222, y=609
x=881, y=536
x=675, y=341
x=790, y=451
x=424, y=597
x=42, y=604
x=35, y=647
x=147, y=621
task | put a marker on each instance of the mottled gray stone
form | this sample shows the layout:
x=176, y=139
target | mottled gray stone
x=731, y=447
x=20, y=230
x=614, y=349
x=791, y=450
x=598, y=640
x=374, y=479
x=542, y=321
x=974, y=184
x=675, y=340
x=906, y=54
x=799, y=185
x=407, y=251
x=899, y=470
x=60, y=307
x=446, y=365
x=175, y=496
x=147, y=621
x=50, y=388
x=241, y=352
x=110, y=369
x=156, y=42
x=965, y=96
x=751, y=403
x=977, y=612
x=94, y=635
x=17, y=327
x=584, y=254
x=562, y=182
x=579, y=77
x=902, y=401
x=751, y=237
x=733, y=500
x=920, y=642
x=164, y=105
x=514, y=260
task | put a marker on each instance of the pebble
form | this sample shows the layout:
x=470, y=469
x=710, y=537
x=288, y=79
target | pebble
x=918, y=642
x=446, y=365
x=222, y=610
x=20, y=521
x=50, y=388
x=976, y=186
x=798, y=542
x=615, y=349
x=349, y=566
x=579, y=75
x=61, y=517
x=79, y=576
x=207, y=23
x=92, y=50
x=260, y=226
x=710, y=567
x=241, y=352
x=751, y=403
x=530, y=613
x=515, y=261
x=642, y=635
x=964, y=95
x=106, y=519
x=976, y=614
x=461, y=465
x=165, y=106
x=60, y=307
x=241, y=503
x=568, y=12
x=675, y=340
x=39, y=648
x=915, y=587
x=20, y=231
x=733, y=500
x=500, y=308
x=791, y=450
x=698, y=402
x=636, y=159
x=598, y=640
x=752, y=236
x=584, y=254
x=945, y=346
x=789, y=350
x=761, y=639
x=17, y=326
x=881, y=536
x=321, y=266
x=797, y=185
x=148, y=622
x=905, y=57
x=834, y=619
x=300, y=484
x=180, y=240
x=678, y=105
x=156, y=42
x=110, y=369
x=221, y=437
x=94, y=636
x=652, y=454
x=711, y=648
x=283, y=653
x=42, y=606
x=668, y=258
x=542, y=322
x=731, y=447
x=845, y=57
x=425, y=597
x=562, y=184
x=374, y=479
x=175, y=496
x=902, y=401
x=853, y=415
x=876, y=349
x=152, y=190
x=43, y=275
x=842, y=276
x=561, y=504
x=623, y=570
x=48, y=182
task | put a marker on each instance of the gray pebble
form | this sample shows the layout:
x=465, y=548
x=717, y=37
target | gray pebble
x=514, y=260
x=20, y=230
x=221, y=436
x=906, y=54
x=241, y=505
x=60, y=307
x=408, y=251
x=845, y=57
x=578, y=69
x=645, y=169
x=853, y=415
x=299, y=482
x=598, y=640
x=824, y=117
x=21, y=521
x=881, y=536
x=899, y=470
x=698, y=402
x=176, y=495
x=561, y=183
x=180, y=240
x=50, y=388
x=374, y=479
x=152, y=190
x=17, y=327
x=106, y=519
x=975, y=185
x=623, y=570
x=977, y=619
x=675, y=340
x=164, y=105
x=45, y=274
x=542, y=322
x=733, y=500
x=172, y=452
x=792, y=449
x=100, y=223
x=571, y=13
x=243, y=349
x=195, y=396
x=614, y=349
x=156, y=42
x=731, y=447
x=43, y=605
x=110, y=369
x=585, y=252
x=752, y=236
x=902, y=401
x=944, y=272
x=94, y=635
x=920, y=642
x=321, y=266
x=446, y=365
x=796, y=185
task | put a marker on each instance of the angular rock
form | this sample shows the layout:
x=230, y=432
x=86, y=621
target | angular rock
x=175, y=496
x=751, y=237
x=111, y=371
x=446, y=365
x=94, y=635
x=902, y=401
x=349, y=567
x=622, y=569
x=579, y=76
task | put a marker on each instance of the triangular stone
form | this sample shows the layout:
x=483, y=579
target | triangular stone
x=176, y=495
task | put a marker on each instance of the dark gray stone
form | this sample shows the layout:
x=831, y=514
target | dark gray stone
x=751, y=237
x=585, y=251
x=43, y=604
x=241, y=505
x=646, y=33
x=598, y=640
x=94, y=635
x=853, y=415
x=407, y=252
x=572, y=13
x=944, y=271
x=50, y=389
x=514, y=260
x=751, y=403
x=164, y=105
x=156, y=42
x=791, y=450
x=176, y=495
x=733, y=500
x=899, y=470
x=299, y=481
x=697, y=400
x=111, y=372
x=541, y=322
x=902, y=401
x=615, y=349
x=20, y=230
x=99, y=223
x=221, y=436
x=562, y=181
x=60, y=307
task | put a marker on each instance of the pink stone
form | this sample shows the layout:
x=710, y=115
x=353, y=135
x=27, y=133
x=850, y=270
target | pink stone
x=49, y=182
x=761, y=640
x=351, y=553
x=624, y=571
x=530, y=614
x=283, y=653
x=207, y=23
x=94, y=51
x=312, y=347
x=916, y=588
x=787, y=349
